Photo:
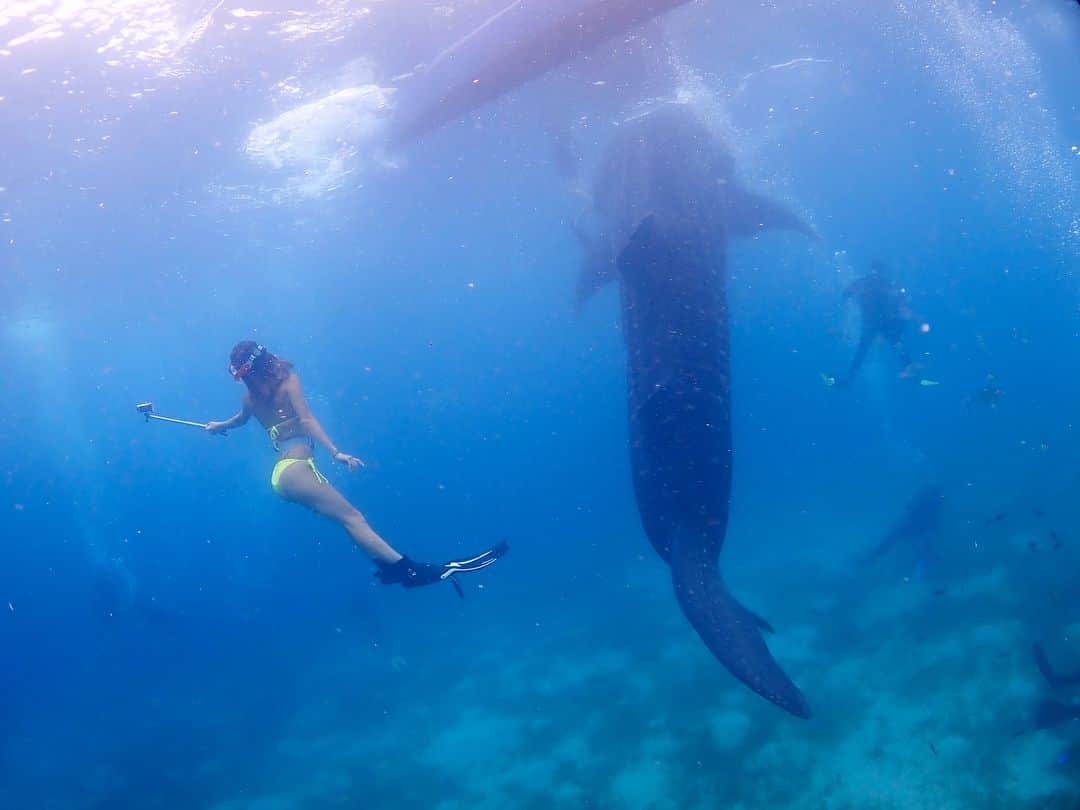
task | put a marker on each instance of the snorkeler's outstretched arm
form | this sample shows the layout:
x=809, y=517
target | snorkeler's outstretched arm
x=412, y=574
x=311, y=425
x=233, y=421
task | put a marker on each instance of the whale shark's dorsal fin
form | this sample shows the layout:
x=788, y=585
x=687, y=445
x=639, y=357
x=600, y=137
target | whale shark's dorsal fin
x=749, y=213
x=644, y=229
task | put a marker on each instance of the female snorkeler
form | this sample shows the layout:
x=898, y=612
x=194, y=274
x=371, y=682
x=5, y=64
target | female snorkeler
x=275, y=398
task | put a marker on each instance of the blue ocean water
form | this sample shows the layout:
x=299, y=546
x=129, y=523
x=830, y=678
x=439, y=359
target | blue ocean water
x=177, y=177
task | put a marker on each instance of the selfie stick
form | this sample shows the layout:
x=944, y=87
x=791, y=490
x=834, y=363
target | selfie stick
x=147, y=410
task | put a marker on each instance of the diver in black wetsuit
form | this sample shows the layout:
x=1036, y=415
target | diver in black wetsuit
x=883, y=306
x=1052, y=712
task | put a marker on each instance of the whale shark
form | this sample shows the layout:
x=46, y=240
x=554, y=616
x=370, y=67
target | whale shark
x=667, y=201
x=519, y=43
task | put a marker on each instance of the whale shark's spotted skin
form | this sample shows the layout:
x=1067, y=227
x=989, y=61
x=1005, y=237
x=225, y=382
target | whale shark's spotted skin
x=668, y=200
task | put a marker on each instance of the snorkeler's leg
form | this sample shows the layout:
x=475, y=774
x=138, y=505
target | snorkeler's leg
x=908, y=367
x=865, y=341
x=300, y=484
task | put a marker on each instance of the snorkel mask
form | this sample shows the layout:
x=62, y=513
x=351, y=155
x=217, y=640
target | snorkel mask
x=245, y=368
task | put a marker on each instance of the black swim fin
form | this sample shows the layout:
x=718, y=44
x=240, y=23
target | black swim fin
x=412, y=574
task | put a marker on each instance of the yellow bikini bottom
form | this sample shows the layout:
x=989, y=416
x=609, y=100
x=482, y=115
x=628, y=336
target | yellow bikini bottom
x=285, y=463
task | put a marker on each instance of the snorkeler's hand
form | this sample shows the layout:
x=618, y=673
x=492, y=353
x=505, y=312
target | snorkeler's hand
x=215, y=427
x=352, y=462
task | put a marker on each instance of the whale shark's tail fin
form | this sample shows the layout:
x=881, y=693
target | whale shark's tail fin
x=731, y=632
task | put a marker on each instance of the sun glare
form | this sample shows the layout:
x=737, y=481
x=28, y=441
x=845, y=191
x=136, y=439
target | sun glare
x=131, y=31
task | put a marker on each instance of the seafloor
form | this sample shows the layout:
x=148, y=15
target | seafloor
x=548, y=688
x=922, y=682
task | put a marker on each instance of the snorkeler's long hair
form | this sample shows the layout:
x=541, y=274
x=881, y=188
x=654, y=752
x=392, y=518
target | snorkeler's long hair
x=268, y=372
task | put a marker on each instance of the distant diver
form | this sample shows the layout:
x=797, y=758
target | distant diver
x=989, y=394
x=885, y=314
x=114, y=587
x=275, y=398
x=1052, y=677
x=118, y=596
x=917, y=527
x=1051, y=712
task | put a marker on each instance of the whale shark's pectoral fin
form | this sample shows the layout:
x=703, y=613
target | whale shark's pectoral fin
x=749, y=214
x=601, y=260
x=644, y=232
x=597, y=266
